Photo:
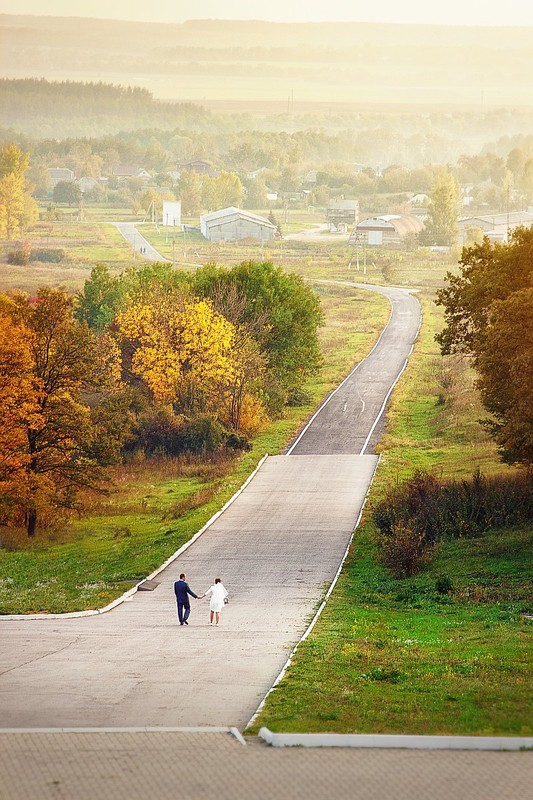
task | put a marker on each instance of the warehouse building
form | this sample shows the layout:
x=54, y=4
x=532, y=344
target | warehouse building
x=232, y=225
x=386, y=229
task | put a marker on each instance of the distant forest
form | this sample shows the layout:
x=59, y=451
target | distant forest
x=36, y=109
x=215, y=60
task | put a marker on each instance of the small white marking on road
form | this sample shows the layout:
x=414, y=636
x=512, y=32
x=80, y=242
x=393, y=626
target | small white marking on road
x=344, y=409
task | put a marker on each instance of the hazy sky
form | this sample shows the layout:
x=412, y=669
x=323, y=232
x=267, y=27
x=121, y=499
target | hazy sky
x=451, y=12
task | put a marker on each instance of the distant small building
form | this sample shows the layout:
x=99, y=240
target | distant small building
x=198, y=166
x=341, y=212
x=419, y=200
x=232, y=225
x=254, y=173
x=310, y=177
x=386, y=229
x=171, y=215
x=58, y=175
x=87, y=184
x=495, y=226
x=130, y=171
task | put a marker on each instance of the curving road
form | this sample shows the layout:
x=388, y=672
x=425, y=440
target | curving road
x=276, y=547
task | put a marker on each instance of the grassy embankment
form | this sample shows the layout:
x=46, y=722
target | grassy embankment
x=397, y=656
x=153, y=509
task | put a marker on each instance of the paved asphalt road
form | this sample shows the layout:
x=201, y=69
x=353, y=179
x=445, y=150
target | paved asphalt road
x=345, y=423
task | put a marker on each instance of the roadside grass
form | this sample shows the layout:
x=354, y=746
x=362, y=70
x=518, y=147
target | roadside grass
x=398, y=656
x=392, y=656
x=155, y=507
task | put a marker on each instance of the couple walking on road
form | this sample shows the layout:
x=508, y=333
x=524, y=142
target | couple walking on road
x=182, y=590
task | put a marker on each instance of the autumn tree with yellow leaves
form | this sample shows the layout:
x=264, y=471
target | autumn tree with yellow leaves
x=17, y=207
x=190, y=356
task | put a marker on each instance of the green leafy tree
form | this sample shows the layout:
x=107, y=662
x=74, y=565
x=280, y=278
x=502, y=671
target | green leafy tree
x=256, y=196
x=67, y=192
x=289, y=314
x=505, y=366
x=441, y=225
x=99, y=300
x=488, y=317
x=190, y=193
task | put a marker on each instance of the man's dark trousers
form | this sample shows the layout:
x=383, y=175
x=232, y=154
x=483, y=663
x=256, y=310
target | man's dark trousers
x=182, y=591
x=184, y=610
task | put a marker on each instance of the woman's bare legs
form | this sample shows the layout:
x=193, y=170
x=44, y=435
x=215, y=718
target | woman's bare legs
x=217, y=614
x=211, y=617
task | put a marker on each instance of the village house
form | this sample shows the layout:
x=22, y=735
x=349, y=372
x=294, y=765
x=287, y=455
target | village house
x=198, y=166
x=341, y=214
x=58, y=175
x=124, y=171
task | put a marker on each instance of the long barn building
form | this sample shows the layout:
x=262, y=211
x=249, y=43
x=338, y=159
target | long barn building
x=232, y=225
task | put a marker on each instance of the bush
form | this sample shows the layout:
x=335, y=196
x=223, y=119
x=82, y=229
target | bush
x=202, y=435
x=21, y=255
x=434, y=510
x=48, y=255
x=237, y=441
x=299, y=397
x=404, y=551
x=157, y=433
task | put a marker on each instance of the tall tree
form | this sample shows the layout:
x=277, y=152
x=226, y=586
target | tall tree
x=441, y=225
x=181, y=349
x=505, y=366
x=19, y=396
x=59, y=436
x=190, y=193
x=487, y=311
x=289, y=314
x=17, y=208
x=67, y=192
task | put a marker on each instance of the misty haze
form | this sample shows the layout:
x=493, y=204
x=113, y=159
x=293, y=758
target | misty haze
x=266, y=429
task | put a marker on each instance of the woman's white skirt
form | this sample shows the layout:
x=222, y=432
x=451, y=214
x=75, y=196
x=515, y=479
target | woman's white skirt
x=216, y=605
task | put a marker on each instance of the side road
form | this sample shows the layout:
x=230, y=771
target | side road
x=141, y=246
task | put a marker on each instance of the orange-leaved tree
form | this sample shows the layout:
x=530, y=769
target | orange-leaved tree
x=20, y=392
x=55, y=435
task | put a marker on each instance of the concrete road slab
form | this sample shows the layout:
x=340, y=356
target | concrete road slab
x=277, y=548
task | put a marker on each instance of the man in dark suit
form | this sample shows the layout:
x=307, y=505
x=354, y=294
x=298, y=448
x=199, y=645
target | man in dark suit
x=182, y=591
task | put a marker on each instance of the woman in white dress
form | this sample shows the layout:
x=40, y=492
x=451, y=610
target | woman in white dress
x=218, y=596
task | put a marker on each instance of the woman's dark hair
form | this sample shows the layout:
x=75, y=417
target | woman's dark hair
x=217, y=580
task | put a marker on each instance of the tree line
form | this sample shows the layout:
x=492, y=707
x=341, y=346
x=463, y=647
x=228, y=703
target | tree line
x=149, y=362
